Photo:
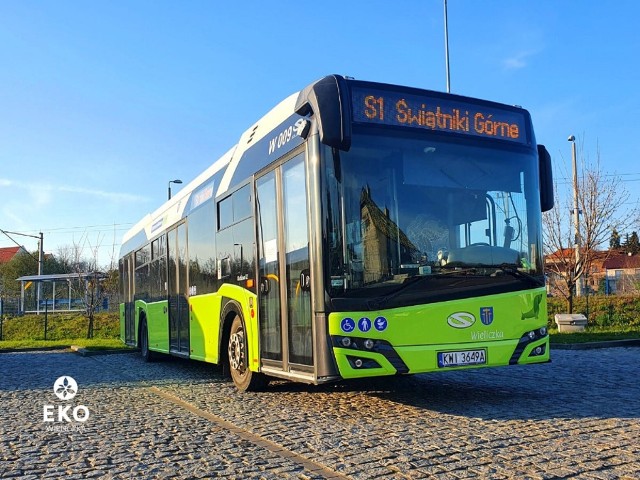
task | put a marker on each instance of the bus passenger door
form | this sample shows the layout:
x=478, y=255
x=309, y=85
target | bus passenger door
x=296, y=262
x=284, y=297
x=129, y=305
x=268, y=269
x=177, y=283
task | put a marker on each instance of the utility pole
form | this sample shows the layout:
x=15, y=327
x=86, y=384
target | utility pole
x=40, y=254
x=40, y=270
x=576, y=212
x=446, y=47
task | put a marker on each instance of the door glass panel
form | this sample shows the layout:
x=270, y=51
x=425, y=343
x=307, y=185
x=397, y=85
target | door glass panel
x=129, y=309
x=297, y=262
x=178, y=303
x=268, y=266
x=174, y=318
x=183, y=304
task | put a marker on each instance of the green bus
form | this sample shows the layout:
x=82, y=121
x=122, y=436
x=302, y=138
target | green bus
x=358, y=229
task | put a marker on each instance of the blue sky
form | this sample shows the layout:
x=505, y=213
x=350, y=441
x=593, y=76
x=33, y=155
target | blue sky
x=102, y=103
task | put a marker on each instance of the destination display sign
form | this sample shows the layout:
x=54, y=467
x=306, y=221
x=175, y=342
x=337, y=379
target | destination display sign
x=438, y=114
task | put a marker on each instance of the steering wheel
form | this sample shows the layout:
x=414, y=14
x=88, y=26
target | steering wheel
x=480, y=244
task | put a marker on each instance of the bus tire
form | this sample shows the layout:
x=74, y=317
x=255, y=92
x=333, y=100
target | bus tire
x=243, y=378
x=147, y=354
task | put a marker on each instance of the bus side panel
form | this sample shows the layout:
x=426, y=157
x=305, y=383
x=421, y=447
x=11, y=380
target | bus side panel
x=158, y=325
x=204, y=331
x=248, y=302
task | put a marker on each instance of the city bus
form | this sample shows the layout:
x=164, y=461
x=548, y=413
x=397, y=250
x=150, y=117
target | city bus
x=358, y=229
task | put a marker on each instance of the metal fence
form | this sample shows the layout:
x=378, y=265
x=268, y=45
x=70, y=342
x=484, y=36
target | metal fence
x=13, y=306
x=9, y=307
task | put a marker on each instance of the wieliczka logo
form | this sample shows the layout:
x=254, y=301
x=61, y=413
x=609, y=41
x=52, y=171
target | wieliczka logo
x=486, y=315
x=65, y=388
x=461, y=319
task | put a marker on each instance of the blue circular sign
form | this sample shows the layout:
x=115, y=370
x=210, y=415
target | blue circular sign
x=364, y=324
x=380, y=323
x=347, y=325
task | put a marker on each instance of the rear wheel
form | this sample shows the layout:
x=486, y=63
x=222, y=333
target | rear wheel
x=144, y=342
x=243, y=378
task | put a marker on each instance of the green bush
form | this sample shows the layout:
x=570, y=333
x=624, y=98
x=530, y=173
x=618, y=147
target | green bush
x=60, y=327
x=602, y=311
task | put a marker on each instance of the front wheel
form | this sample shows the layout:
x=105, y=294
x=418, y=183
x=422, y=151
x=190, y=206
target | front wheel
x=243, y=378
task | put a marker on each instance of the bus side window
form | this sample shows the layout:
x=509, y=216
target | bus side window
x=225, y=213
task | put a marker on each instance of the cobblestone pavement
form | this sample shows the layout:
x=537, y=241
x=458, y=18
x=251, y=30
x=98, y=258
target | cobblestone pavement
x=578, y=417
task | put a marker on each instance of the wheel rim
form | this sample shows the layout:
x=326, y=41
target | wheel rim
x=237, y=352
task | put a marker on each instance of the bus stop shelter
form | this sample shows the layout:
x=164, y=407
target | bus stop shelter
x=60, y=292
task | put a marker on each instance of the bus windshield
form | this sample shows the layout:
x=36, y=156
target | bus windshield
x=461, y=217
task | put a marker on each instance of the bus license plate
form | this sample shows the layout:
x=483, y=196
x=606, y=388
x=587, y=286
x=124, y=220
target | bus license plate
x=462, y=358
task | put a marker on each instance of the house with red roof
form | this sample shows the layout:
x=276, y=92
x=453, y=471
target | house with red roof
x=7, y=253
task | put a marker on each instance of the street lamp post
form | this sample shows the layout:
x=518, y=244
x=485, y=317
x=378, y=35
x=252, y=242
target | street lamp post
x=169, y=189
x=576, y=211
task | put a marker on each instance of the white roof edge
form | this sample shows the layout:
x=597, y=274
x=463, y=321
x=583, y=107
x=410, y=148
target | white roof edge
x=257, y=132
x=182, y=194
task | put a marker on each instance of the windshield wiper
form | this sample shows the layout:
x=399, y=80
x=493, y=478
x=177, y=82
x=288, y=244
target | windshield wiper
x=512, y=269
x=377, y=303
x=454, y=271
x=411, y=281
x=508, y=268
x=445, y=272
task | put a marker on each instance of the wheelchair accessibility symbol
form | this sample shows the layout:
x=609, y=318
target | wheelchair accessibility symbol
x=347, y=325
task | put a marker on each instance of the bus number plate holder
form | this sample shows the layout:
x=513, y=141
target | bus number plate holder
x=462, y=358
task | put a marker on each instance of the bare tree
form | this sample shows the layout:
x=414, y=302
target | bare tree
x=88, y=277
x=601, y=202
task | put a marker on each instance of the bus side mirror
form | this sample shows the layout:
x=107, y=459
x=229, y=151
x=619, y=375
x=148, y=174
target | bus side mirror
x=328, y=100
x=546, y=179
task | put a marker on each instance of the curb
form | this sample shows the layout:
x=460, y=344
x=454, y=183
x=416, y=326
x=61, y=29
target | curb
x=69, y=348
x=34, y=349
x=92, y=353
x=593, y=345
